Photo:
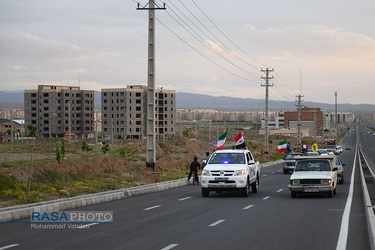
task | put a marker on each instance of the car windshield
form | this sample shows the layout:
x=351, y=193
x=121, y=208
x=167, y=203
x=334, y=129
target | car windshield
x=338, y=161
x=227, y=158
x=313, y=165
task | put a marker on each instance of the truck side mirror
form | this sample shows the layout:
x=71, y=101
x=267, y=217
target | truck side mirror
x=204, y=163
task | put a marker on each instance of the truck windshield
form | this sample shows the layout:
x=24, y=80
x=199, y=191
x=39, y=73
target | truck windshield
x=313, y=165
x=227, y=158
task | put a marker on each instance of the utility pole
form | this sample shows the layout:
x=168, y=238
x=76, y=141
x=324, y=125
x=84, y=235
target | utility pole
x=11, y=124
x=70, y=121
x=112, y=130
x=336, y=113
x=267, y=85
x=150, y=131
x=299, y=109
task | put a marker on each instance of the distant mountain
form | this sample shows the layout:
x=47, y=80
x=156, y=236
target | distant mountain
x=15, y=99
x=199, y=101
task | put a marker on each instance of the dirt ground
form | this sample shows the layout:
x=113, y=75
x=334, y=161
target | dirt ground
x=175, y=155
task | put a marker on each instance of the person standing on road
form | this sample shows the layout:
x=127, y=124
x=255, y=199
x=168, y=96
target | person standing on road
x=194, y=166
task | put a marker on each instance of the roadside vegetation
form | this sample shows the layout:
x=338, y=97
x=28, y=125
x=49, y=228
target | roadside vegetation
x=38, y=170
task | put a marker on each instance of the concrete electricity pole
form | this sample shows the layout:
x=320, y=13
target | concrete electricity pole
x=336, y=113
x=299, y=109
x=151, y=150
x=267, y=84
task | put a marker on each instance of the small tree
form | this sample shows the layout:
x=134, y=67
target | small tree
x=127, y=155
x=87, y=148
x=31, y=133
x=60, y=156
x=186, y=132
x=105, y=149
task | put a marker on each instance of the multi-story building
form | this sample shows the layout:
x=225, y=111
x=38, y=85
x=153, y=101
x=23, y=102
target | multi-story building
x=124, y=112
x=58, y=110
x=11, y=114
x=311, y=118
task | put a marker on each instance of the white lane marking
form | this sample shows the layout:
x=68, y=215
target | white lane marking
x=264, y=175
x=182, y=199
x=9, y=246
x=216, y=223
x=248, y=207
x=88, y=225
x=169, y=247
x=149, y=208
x=278, y=191
x=344, y=229
x=272, y=172
x=266, y=198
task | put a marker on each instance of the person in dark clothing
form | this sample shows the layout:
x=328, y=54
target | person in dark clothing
x=205, y=159
x=194, y=166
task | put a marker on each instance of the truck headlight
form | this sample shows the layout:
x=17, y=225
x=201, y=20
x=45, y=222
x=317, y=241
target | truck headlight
x=206, y=172
x=239, y=172
x=294, y=182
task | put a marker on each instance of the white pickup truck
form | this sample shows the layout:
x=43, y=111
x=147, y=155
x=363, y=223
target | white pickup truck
x=314, y=174
x=231, y=170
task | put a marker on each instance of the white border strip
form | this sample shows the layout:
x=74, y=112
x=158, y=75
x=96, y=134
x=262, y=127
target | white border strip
x=343, y=236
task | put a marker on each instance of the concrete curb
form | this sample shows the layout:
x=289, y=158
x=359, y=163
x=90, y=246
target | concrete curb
x=24, y=211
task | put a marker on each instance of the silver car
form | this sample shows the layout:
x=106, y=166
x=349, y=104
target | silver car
x=340, y=170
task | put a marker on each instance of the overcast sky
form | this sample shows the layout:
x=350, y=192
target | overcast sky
x=209, y=47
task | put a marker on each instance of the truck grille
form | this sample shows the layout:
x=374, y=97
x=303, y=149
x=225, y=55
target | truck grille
x=222, y=173
x=310, y=181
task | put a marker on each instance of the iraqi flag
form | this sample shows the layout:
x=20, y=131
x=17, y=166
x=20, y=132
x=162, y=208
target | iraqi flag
x=221, y=141
x=240, y=142
x=281, y=147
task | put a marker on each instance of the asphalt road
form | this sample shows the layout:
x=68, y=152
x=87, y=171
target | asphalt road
x=182, y=219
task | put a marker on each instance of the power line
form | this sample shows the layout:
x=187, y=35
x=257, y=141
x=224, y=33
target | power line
x=245, y=79
x=227, y=36
x=229, y=51
x=200, y=39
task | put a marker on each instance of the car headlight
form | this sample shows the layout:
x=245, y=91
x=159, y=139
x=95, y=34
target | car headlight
x=206, y=172
x=328, y=181
x=239, y=172
x=294, y=182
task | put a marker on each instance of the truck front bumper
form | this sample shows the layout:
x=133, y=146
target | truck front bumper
x=310, y=188
x=232, y=183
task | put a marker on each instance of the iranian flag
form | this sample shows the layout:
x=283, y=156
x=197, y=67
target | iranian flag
x=240, y=141
x=221, y=141
x=281, y=147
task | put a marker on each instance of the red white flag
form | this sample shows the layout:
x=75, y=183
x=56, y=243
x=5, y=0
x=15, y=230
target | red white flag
x=240, y=141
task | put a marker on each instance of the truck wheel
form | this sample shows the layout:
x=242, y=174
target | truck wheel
x=342, y=179
x=255, y=185
x=245, y=191
x=330, y=194
x=205, y=193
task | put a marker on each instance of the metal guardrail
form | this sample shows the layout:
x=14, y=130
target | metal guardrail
x=368, y=189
